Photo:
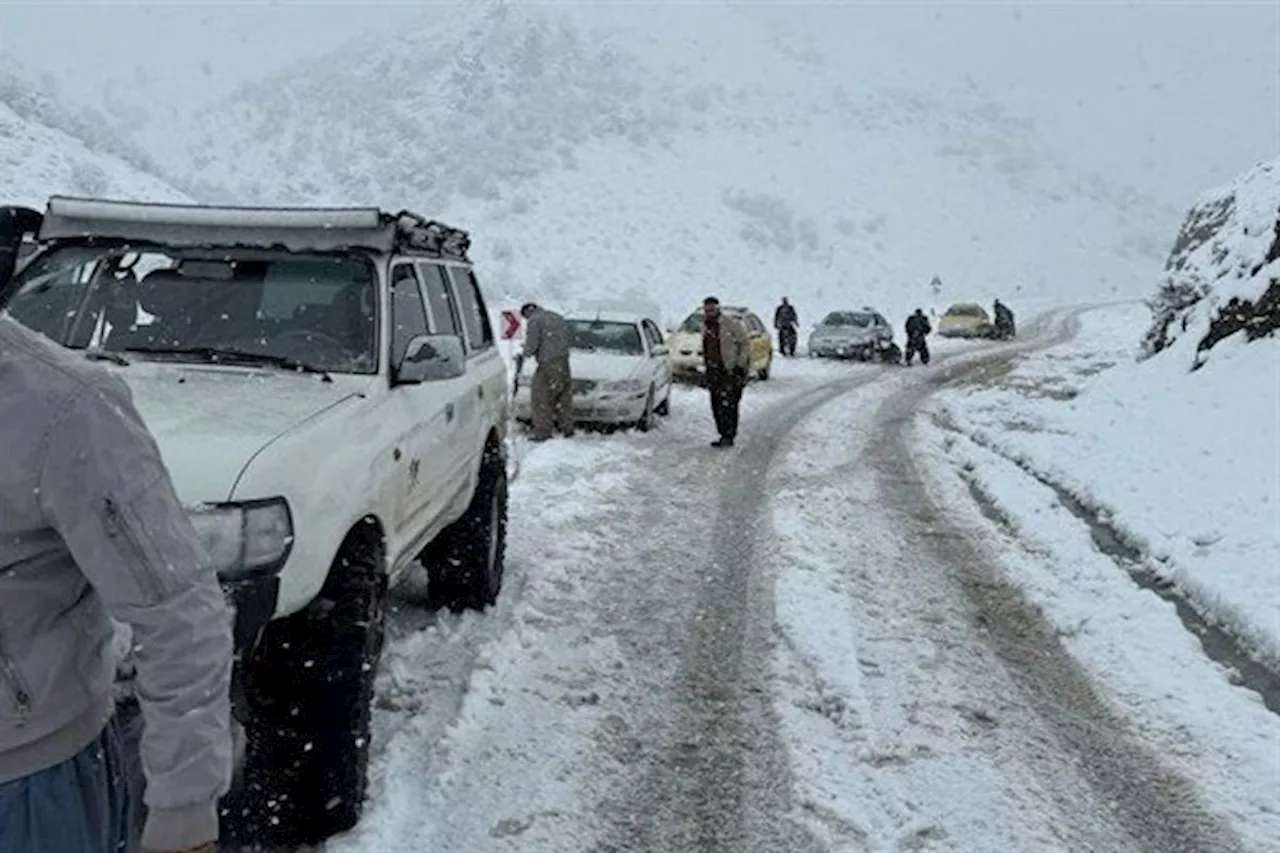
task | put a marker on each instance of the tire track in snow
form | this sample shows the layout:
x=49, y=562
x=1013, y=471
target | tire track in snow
x=1160, y=811
x=710, y=772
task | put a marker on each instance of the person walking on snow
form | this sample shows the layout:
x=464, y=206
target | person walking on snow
x=551, y=395
x=727, y=353
x=90, y=528
x=787, y=323
x=917, y=329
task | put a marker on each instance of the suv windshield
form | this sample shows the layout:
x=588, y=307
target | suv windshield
x=966, y=311
x=318, y=311
x=847, y=318
x=600, y=335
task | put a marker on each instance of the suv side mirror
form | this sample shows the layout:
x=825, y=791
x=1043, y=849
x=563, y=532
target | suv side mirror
x=660, y=349
x=430, y=358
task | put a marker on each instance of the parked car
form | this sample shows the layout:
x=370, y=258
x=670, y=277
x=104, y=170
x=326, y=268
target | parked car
x=851, y=334
x=621, y=370
x=965, y=320
x=685, y=342
x=326, y=392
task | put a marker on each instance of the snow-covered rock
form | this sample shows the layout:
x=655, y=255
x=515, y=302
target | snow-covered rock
x=1223, y=274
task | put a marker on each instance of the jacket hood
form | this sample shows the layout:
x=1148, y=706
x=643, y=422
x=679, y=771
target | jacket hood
x=210, y=421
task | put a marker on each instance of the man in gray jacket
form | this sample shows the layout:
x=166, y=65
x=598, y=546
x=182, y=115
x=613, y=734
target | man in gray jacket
x=90, y=528
x=551, y=396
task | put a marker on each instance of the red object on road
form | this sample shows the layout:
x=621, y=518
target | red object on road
x=510, y=324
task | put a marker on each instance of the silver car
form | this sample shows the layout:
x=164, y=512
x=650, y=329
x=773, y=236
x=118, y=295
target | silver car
x=850, y=334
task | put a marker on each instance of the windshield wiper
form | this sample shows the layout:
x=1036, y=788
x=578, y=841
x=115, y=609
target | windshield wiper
x=215, y=355
x=96, y=354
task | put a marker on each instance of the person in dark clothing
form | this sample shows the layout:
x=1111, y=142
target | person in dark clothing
x=918, y=329
x=787, y=324
x=727, y=352
x=1004, y=319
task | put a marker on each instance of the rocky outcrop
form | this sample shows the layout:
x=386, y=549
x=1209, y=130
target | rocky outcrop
x=1222, y=277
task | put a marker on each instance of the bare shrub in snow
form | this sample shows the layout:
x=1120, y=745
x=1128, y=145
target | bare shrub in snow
x=88, y=178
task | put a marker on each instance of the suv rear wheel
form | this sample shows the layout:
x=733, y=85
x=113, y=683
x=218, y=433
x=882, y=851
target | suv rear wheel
x=309, y=686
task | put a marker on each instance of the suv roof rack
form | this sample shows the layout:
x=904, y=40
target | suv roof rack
x=295, y=229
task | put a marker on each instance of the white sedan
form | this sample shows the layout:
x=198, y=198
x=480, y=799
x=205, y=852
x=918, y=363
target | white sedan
x=621, y=370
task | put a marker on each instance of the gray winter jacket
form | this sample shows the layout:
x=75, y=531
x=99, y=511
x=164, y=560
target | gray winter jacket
x=547, y=338
x=90, y=526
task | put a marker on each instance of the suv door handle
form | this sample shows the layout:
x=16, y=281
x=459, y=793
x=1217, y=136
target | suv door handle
x=448, y=411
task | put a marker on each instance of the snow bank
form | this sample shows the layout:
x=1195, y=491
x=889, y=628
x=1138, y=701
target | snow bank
x=1183, y=466
x=1223, y=275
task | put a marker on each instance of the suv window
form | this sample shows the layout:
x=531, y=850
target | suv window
x=408, y=317
x=754, y=325
x=474, y=315
x=321, y=310
x=440, y=301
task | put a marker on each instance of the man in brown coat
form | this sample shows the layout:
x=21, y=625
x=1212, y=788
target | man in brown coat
x=727, y=353
x=551, y=395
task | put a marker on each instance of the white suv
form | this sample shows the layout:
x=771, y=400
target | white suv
x=326, y=391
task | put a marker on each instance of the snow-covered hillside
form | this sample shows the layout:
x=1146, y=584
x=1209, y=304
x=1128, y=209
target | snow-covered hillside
x=671, y=152
x=46, y=148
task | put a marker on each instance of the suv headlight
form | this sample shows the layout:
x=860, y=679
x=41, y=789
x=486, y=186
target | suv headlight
x=244, y=539
x=623, y=385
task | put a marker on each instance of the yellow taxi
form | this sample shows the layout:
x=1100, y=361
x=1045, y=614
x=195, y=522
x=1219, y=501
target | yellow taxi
x=685, y=343
x=965, y=320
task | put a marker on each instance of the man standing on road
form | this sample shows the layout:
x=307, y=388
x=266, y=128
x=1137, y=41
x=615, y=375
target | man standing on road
x=726, y=350
x=787, y=323
x=551, y=395
x=90, y=528
x=918, y=328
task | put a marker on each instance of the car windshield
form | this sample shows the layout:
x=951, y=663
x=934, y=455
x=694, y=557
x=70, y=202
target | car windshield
x=966, y=311
x=692, y=323
x=593, y=335
x=847, y=318
x=317, y=311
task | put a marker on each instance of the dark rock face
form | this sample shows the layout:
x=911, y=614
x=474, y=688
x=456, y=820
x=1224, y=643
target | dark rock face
x=1220, y=268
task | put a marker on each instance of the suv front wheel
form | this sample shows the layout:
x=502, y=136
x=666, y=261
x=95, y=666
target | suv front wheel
x=309, y=686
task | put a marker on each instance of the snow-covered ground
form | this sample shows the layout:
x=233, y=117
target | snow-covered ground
x=1184, y=466
x=1179, y=473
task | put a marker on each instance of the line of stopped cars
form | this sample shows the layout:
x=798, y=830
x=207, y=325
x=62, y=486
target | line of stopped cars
x=624, y=367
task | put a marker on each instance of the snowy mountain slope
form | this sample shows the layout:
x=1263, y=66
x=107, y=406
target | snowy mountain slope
x=1223, y=273
x=667, y=152
x=46, y=148
x=37, y=161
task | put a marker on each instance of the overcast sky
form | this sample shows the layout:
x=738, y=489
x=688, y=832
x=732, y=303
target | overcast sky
x=1169, y=98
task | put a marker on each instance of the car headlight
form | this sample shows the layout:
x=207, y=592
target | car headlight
x=244, y=539
x=623, y=385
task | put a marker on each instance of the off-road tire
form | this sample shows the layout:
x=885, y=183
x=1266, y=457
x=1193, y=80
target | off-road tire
x=466, y=562
x=664, y=408
x=763, y=373
x=309, y=686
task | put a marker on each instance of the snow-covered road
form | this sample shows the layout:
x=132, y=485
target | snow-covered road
x=785, y=648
